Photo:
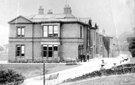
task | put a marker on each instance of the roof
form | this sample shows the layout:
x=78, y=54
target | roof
x=51, y=18
x=85, y=20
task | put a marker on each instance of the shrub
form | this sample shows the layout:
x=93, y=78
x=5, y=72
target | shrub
x=122, y=69
x=11, y=76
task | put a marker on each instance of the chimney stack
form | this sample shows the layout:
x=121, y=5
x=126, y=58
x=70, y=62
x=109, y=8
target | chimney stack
x=49, y=12
x=40, y=10
x=67, y=10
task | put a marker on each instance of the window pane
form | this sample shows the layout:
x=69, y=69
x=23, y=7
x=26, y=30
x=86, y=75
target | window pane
x=23, y=31
x=18, y=31
x=45, y=31
x=22, y=49
x=50, y=29
x=50, y=53
x=45, y=48
x=55, y=48
x=18, y=48
x=17, y=53
x=80, y=31
x=50, y=48
x=44, y=53
x=55, y=30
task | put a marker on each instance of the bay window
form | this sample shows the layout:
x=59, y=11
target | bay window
x=50, y=31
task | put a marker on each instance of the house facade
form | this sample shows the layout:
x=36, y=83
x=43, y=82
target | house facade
x=53, y=37
x=48, y=37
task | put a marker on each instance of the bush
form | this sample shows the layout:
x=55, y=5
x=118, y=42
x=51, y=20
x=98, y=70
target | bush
x=35, y=61
x=11, y=76
x=122, y=69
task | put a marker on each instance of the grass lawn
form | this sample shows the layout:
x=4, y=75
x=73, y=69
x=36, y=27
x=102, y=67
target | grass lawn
x=32, y=70
x=126, y=79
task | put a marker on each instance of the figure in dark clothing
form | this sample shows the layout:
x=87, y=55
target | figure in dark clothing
x=83, y=58
x=88, y=57
x=80, y=57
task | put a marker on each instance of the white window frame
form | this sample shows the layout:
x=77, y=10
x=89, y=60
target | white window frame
x=22, y=50
x=53, y=30
x=20, y=31
x=49, y=45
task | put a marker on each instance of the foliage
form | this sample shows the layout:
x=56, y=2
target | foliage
x=131, y=45
x=11, y=76
x=35, y=61
x=106, y=41
x=122, y=69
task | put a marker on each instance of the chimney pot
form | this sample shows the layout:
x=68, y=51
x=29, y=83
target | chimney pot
x=67, y=9
x=41, y=10
x=49, y=12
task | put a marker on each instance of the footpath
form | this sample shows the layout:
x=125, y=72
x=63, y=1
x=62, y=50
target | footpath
x=86, y=67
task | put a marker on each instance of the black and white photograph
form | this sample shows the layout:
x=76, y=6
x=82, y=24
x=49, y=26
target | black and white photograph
x=67, y=42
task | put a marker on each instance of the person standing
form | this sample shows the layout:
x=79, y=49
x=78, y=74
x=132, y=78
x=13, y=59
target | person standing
x=84, y=58
x=80, y=57
x=88, y=57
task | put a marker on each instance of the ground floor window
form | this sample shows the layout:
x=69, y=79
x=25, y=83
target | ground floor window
x=20, y=50
x=49, y=50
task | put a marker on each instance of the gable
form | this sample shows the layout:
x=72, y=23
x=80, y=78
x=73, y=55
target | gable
x=20, y=19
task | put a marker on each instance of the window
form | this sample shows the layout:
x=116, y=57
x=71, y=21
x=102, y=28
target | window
x=45, y=31
x=20, y=50
x=56, y=31
x=55, y=48
x=50, y=31
x=44, y=50
x=20, y=32
x=48, y=50
x=81, y=32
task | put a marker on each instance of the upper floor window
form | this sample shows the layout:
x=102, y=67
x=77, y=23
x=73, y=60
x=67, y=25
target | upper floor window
x=50, y=31
x=81, y=32
x=20, y=32
x=20, y=50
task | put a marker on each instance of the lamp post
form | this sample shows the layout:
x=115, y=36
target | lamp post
x=43, y=72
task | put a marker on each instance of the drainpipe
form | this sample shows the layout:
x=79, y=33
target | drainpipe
x=33, y=42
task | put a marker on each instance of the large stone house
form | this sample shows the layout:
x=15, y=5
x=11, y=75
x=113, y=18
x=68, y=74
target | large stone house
x=51, y=37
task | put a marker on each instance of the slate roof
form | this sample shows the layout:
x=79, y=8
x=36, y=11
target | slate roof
x=55, y=18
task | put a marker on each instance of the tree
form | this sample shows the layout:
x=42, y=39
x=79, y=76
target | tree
x=10, y=76
x=131, y=47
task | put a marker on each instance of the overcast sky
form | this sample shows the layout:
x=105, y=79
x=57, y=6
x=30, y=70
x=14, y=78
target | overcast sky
x=115, y=16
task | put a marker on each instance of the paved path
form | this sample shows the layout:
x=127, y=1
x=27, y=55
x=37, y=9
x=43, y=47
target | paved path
x=87, y=67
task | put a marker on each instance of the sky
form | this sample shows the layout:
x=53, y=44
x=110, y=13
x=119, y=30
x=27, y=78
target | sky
x=114, y=16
